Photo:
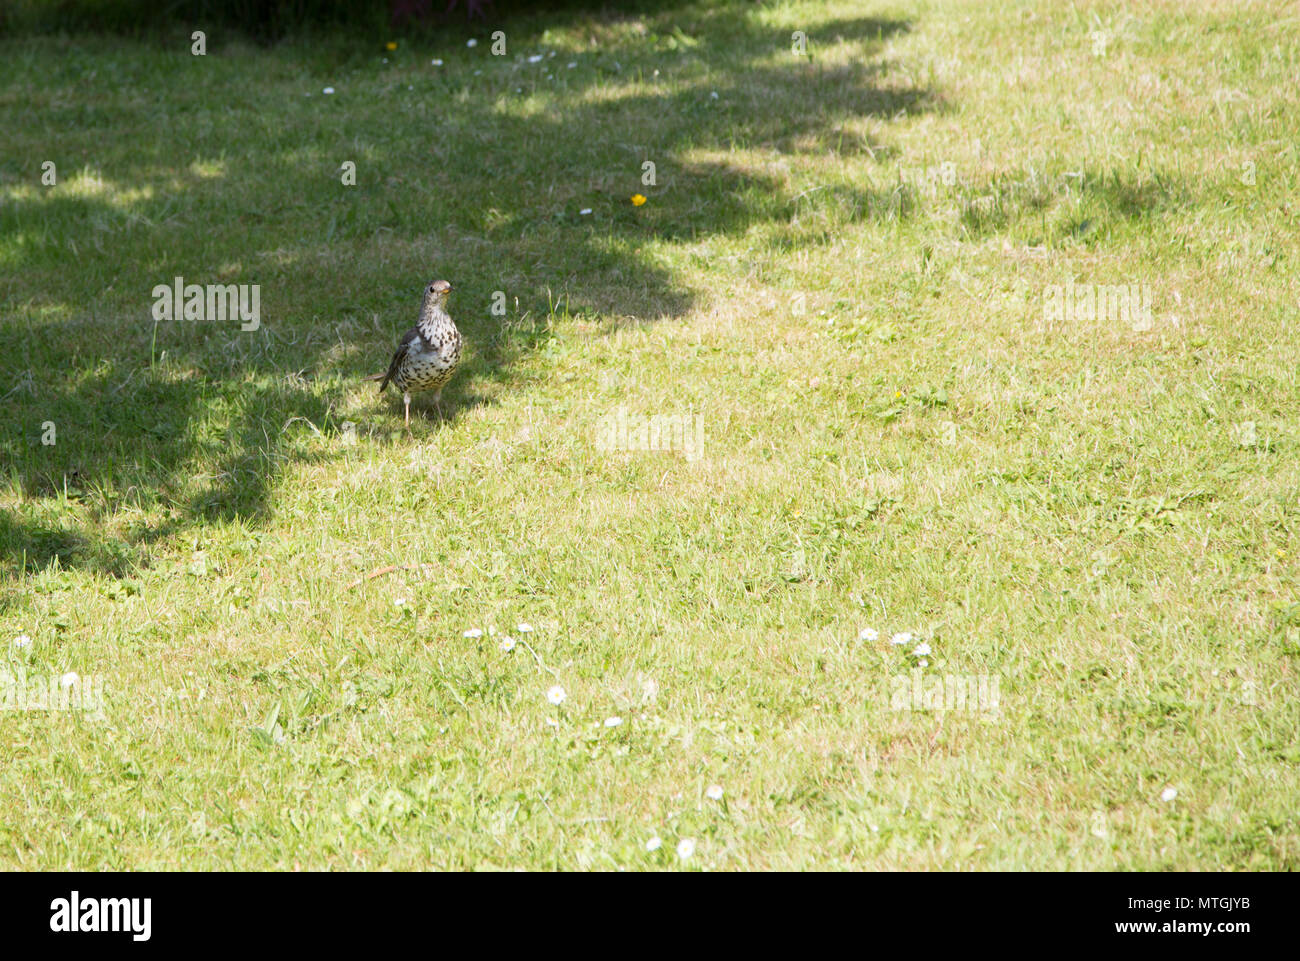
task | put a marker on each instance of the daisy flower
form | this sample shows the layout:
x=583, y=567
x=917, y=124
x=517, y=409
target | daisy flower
x=901, y=639
x=868, y=634
x=714, y=792
x=556, y=695
x=473, y=632
x=685, y=848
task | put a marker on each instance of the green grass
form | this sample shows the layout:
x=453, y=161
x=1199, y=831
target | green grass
x=895, y=437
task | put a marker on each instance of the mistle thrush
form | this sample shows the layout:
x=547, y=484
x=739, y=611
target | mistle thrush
x=428, y=353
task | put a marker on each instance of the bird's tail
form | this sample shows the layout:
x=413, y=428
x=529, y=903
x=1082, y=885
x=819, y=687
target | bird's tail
x=382, y=378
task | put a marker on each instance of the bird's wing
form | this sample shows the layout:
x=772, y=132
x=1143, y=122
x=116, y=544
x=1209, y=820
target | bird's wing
x=410, y=337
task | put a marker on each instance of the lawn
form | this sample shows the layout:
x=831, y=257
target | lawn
x=855, y=370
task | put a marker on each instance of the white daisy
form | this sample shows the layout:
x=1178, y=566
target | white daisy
x=523, y=627
x=868, y=634
x=1168, y=794
x=556, y=695
x=22, y=641
x=584, y=211
x=535, y=58
x=685, y=848
x=654, y=844
x=327, y=91
x=471, y=42
x=473, y=632
x=571, y=64
x=613, y=721
x=714, y=792
x=901, y=639
x=921, y=650
x=507, y=644
x=69, y=679
x=436, y=63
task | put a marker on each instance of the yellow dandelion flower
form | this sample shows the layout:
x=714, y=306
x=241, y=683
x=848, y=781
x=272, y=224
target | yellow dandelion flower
x=391, y=45
x=637, y=200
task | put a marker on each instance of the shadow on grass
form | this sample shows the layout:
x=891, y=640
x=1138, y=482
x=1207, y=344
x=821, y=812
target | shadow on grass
x=188, y=423
x=1080, y=205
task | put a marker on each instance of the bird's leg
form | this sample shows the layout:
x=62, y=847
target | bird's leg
x=406, y=401
x=437, y=403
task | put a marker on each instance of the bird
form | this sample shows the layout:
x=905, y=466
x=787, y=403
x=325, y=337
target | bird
x=428, y=353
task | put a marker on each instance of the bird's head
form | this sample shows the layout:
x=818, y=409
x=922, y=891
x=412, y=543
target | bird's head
x=436, y=292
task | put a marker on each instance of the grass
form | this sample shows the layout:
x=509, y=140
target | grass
x=1097, y=516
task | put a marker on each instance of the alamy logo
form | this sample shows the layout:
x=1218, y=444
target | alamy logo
x=658, y=432
x=1074, y=303
x=944, y=173
x=72, y=915
x=976, y=693
x=67, y=692
x=182, y=301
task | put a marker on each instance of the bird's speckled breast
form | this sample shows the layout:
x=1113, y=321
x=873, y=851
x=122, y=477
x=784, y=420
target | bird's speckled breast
x=430, y=360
